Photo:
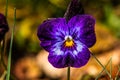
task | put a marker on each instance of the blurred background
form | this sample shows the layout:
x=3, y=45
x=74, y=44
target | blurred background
x=29, y=60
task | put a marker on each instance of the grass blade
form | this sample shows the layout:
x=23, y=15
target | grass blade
x=103, y=69
x=2, y=77
x=10, y=50
x=116, y=78
x=111, y=69
x=6, y=9
x=101, y=64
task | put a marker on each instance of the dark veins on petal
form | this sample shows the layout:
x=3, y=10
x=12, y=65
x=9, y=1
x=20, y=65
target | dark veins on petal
x=67, y=39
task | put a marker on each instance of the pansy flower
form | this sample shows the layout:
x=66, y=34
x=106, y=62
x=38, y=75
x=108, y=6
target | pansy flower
x=68, y=41
x=3, y=26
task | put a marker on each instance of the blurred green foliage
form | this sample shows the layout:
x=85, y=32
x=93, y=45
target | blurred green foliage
x=107, y=12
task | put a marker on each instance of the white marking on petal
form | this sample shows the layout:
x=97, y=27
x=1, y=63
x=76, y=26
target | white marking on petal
x=79, y=47
x=75, y=52
x=68, y=36
x=58, y=51
x=57, y=48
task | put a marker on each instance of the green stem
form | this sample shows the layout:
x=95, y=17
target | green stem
x=68, y=73
x=10, y=51
x=6, y=9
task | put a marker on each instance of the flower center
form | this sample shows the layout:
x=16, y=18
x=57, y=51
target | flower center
x=68, y=41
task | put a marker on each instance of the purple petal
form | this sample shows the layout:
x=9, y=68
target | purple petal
x=51, y=32
x=82, y=28
x=71, y=57
x=3, y=26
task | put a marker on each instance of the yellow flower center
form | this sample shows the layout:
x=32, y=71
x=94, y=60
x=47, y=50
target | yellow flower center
x=69, y=42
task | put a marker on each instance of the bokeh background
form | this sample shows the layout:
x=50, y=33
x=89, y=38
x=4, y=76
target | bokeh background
x=29, y=60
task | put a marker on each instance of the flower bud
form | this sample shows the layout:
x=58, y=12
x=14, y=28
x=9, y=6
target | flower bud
x=74, y=8
x=3, y=26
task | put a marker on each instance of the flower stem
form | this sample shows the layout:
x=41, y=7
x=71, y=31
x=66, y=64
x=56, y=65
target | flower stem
x=10, y=50
x=68, y=73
